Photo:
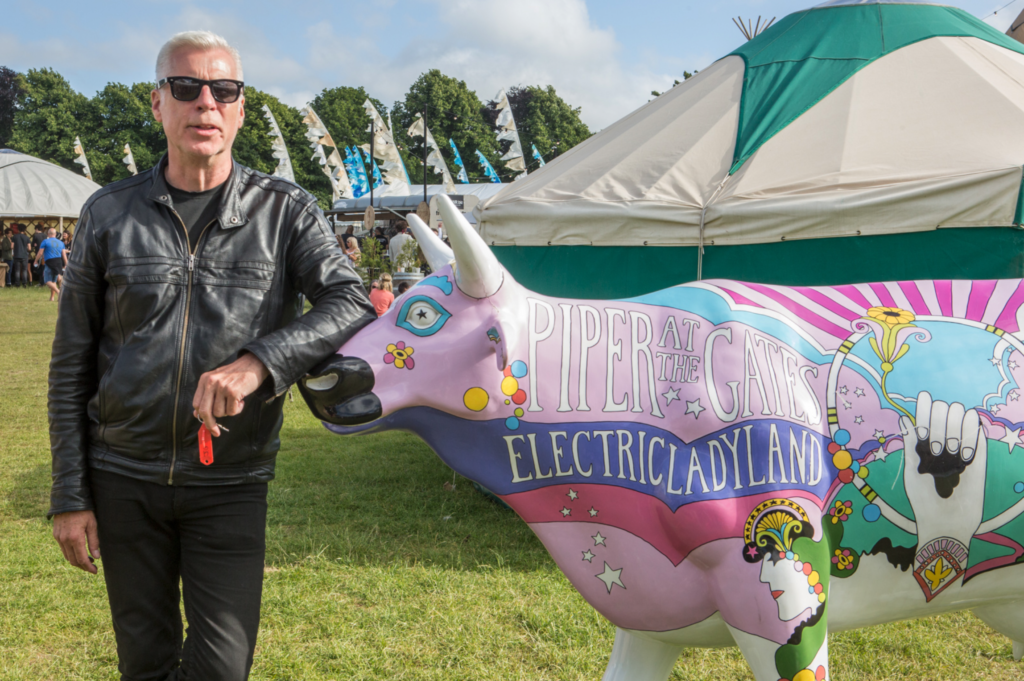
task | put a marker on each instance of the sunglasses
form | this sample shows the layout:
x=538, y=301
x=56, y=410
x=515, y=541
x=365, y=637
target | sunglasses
x=186, y=89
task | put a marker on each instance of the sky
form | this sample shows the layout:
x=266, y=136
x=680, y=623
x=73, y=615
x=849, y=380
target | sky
x=604, y=56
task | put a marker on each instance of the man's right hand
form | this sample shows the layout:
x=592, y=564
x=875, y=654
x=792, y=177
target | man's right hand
x=76, y=533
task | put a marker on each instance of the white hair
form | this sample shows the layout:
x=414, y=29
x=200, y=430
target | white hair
x=203, y=40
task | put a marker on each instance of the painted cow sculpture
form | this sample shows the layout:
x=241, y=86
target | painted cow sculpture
x=721, y=463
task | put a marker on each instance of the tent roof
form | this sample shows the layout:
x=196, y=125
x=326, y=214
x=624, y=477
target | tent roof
x=867, y=118
x=32, y=187
x=409, y=201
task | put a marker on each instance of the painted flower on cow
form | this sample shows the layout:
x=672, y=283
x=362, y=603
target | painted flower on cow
x=841, y=511
x=890, y=328
x=400, y=355
x=843, y=559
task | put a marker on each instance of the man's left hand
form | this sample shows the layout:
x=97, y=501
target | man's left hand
x=222, y=392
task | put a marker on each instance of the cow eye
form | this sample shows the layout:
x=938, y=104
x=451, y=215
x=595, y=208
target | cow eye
x=422, y=316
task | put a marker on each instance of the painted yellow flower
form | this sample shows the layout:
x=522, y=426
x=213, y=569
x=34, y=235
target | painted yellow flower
x=400, y=355
x=891, y=315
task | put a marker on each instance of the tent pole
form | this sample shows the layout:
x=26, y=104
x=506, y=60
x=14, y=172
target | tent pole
x=703, y=214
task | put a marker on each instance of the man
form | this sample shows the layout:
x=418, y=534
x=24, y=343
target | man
x=21, y=245
x=179, y=310
x=7, y=254
x=51, y=253
x=397, y=241
x=36, y=272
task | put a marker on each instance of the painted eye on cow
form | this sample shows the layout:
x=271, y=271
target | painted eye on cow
x=422, y=316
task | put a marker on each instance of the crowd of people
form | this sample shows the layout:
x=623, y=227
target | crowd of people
x=391, y=241
x=36, y=259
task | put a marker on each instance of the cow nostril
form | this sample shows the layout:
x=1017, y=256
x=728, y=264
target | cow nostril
x=320, y=383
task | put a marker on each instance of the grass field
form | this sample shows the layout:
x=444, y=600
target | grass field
x=374, y=570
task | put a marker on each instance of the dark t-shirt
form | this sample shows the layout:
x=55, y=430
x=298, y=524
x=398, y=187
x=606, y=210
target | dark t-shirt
x=38, y=237
x=20, y=242
x=197, y=210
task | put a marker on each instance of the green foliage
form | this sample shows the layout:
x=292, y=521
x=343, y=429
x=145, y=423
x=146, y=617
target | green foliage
x=409, y=257
x=453, y=113
x=49, y=116
x=120, y=115
x=10, y=91
x=546, y=120
x=372, y=261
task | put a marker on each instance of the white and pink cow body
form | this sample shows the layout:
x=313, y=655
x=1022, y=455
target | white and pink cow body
x=721, y=463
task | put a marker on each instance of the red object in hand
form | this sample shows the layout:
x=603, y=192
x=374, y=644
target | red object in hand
x=205, y=446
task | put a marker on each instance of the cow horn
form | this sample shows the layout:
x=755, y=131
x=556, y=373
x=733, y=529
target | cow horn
x=477, y=272
x=438, y=255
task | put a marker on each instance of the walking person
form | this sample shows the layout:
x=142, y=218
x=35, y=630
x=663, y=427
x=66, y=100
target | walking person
x=7, y=254
x=54, y=258
x=21, y=244
x=177, y=319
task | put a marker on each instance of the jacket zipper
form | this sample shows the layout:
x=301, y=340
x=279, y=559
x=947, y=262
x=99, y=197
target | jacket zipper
x=184, y=332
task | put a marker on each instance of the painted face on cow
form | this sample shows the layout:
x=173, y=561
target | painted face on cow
x=790, y=584
x=441, y=345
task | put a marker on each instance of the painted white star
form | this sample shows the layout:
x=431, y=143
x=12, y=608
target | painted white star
x=565, y=511
x=879, y=434
x=1014, y=395
x=671, y=394
x=858, y=419
x=847, y=405
x=588, y=556
x=995, y=361
x=611, y=577
x=843, y=389
x=598, y=539
x=572, y=494
x=694, y=408
x=592, y=512
x=995, y=408
x=1012, y=438
x=859, y=392
x=1012, y=364
x=880, y=454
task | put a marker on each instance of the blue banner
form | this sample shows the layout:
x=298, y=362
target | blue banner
x=462, y=176
x=488, y=168
x=536, y=155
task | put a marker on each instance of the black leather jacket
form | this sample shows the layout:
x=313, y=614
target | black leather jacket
x=143, y=314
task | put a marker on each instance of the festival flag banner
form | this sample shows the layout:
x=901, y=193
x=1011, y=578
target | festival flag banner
x=434, y=158
x=359, y=187
x=462, y=175
x=278, y=148
x=507, y=132
x=488, y=168
x=129, y=160
x=537, y=156
x=82, y=160
x=331, y=164
x=386, y=150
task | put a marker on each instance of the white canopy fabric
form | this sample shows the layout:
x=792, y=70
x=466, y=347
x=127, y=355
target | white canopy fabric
x=31, y=187
x=930, y=135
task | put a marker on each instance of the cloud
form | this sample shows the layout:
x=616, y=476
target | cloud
x=493, y=45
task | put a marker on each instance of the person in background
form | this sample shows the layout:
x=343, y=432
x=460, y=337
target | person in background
x=378, y=234
x=21, y=245
x=381, y=298
x=7, y=254
x=36, y=271
x=398, y=241
x=402, y=288
x=55, y=258
x=66, y=238
x=352, y=250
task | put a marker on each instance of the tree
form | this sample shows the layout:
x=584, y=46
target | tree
x=543, y=119
x=120, y=115
x=453, y=113
x=10, y=92
x=686, y=76
x=50, y=114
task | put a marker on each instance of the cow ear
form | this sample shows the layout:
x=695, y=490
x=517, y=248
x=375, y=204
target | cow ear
x=496, y=337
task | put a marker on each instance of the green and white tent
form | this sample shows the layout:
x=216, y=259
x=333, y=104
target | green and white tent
x=851, y=142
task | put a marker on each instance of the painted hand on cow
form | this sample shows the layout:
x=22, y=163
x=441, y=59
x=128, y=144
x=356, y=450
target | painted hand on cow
x=946, y=456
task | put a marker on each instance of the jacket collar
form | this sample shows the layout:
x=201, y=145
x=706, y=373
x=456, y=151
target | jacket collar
x=230, y=214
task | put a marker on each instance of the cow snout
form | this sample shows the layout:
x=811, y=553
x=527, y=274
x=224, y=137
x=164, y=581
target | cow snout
x=339, y=391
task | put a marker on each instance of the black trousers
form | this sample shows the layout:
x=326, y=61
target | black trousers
x=214, y=540
x=20, y=276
